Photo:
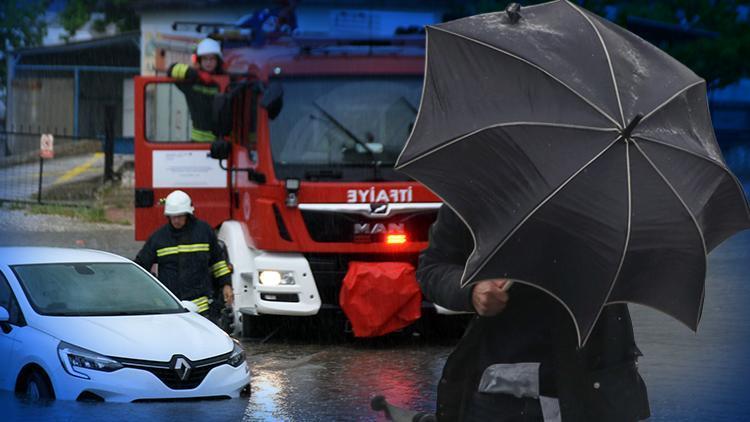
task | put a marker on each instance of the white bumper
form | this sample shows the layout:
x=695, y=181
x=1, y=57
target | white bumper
x=129, y=384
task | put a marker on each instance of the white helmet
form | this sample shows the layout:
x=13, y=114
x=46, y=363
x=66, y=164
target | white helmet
x=178, y=203
x=208, y=46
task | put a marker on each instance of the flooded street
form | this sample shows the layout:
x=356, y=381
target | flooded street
x=690, y=377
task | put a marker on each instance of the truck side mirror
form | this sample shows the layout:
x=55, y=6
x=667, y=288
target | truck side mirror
x=273, y=99
x=220, y=149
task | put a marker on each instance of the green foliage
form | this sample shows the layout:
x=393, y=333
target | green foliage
x=78, y=12
x=721, y=60
x=21, y=25
x=75, y=14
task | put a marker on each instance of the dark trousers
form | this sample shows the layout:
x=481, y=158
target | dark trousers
x=503, y=408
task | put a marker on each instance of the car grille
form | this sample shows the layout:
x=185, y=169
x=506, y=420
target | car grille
x=168, y=375
x=329, y=270
x=326, y=226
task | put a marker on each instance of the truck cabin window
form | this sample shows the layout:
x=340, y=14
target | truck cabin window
x=345, y=128
x=180, y=112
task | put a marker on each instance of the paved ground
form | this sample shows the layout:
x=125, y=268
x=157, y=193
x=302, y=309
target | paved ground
x=21, y=182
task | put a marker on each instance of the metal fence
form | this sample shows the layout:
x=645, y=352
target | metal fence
x=71, y=177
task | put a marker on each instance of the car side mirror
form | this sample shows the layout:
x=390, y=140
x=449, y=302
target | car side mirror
x=190, y=306
x=273, y=99
x=220, y=149
x=4, y=315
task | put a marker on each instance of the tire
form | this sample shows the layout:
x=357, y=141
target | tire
x=36, y=387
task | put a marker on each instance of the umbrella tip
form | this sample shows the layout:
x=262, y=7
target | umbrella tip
x=514, y=12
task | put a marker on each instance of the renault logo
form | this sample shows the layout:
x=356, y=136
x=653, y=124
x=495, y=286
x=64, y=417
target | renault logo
x=182, y=367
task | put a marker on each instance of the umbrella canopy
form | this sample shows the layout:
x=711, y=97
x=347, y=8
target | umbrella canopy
x=581, y=157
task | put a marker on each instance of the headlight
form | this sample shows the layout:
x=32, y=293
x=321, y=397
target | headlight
x=74, y=357
x=237, y=357
x=275, y=278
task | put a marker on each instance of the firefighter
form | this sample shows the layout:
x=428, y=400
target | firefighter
x=191, y=263
x=198, y=88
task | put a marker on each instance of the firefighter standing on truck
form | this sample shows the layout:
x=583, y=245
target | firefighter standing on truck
x=199, y=89
x=191, y=262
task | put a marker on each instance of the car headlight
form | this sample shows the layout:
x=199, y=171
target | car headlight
x=74, y=357
x=275, y=278
x=237, y=357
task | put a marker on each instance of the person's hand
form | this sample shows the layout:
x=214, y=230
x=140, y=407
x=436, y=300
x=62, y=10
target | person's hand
x=228, y=295
x=490, y=297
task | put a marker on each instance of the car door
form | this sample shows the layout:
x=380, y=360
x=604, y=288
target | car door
x=8, y=331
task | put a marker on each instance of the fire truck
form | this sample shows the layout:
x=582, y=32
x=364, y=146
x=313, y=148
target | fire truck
x=305, y=182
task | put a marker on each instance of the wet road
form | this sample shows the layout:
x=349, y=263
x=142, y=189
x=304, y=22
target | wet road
x=691, y=377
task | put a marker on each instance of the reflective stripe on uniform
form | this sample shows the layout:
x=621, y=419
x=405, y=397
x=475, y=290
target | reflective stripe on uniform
x=202, y=135
x=202, y=303
x=220, y=268
x=179, y=71
x=195, y=247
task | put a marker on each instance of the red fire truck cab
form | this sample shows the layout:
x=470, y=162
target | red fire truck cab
x=315, y=128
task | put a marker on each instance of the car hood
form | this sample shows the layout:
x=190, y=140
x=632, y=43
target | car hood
x=145, y=337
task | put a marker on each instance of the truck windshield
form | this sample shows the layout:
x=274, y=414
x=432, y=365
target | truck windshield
x=350, y=128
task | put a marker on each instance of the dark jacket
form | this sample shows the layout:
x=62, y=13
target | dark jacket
x=199, y=98
x=191, y=263
x=597, y=383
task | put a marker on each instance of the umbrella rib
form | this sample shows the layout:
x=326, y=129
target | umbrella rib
x=717, y=164
x=665, y=103
x=690, y=213
x=531, y=213
x=509, y=54
x=625, y=246
x=609, y=59
x=507, y=124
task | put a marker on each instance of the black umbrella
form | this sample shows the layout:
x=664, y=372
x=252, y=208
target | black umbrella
x=581, y=157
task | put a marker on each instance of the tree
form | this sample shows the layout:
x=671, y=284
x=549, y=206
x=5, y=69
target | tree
x=21, y=25
x=720, y=58
x=78, y=12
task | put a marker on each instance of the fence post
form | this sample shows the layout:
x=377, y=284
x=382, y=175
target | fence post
x=109, y=141
x=41, y=171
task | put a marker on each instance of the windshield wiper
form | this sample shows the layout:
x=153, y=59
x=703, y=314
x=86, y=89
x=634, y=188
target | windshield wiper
x=375, y=163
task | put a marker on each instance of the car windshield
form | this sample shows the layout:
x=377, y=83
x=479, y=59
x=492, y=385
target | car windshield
x=94, y=289
x=340, y=127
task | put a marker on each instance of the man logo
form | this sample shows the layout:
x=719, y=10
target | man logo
x=182, y=367
x=378, y=208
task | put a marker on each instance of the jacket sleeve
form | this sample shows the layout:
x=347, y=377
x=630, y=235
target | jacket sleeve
x=220, y=268
x=182, y=72
x=146, y=257
x=442, y=263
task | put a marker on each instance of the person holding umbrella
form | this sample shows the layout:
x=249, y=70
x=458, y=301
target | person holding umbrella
x=578, y=161
x=519, y=355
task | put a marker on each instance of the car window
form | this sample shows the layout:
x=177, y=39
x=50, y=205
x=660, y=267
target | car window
x=93, y=289
x=9, y=302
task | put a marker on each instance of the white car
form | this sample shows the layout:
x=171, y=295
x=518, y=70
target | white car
x=80, y=324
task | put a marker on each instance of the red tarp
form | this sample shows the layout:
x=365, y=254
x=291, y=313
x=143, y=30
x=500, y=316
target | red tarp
x=380, y=297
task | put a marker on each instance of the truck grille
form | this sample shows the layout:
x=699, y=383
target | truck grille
x=166, y=374
x=329, y=270
x=326, y=226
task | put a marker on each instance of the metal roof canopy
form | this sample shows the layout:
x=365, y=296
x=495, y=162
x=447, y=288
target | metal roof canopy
x=114, y=54
x=122, y=50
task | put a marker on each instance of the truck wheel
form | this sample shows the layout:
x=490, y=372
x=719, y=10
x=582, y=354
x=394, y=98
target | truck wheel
x=35, y=386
